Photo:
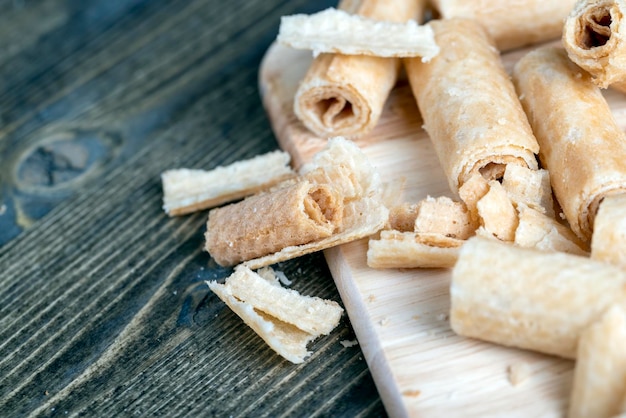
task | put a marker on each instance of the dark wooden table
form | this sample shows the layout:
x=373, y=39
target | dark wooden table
x=103, y=306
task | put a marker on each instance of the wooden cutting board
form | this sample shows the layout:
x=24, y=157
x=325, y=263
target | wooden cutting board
x=400, y=317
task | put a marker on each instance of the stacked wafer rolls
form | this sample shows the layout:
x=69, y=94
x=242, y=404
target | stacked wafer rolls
x=581, y=144
x=469, y=105
x=344, y=95
x=595, y=39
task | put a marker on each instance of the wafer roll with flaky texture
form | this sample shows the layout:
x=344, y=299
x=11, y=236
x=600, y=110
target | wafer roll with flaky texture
x=600, y=374
x=266, y=223
x=512, y=24
x=528, y=298
x=581, y=143
x=595, y=39
x=344, y=95
x=608, y=242
x=469, y=105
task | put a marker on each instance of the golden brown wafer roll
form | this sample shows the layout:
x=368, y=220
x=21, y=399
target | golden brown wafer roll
x=530, y=299
x=600, y=374
x=581, y=144
x=595, y=39
x=512, y=24
x=266, y=223
x=469, y=106
x=609, y=231
x=343, y=95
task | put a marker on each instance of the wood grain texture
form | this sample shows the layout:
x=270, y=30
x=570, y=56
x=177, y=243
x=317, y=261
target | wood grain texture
x=420, y=366
x=103, y=307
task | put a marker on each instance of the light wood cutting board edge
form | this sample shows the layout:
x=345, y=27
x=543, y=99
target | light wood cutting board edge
x=419, y=365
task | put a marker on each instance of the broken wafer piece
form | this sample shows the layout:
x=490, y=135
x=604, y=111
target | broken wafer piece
x=395, y=249
x=537, y=230
x=530, y=299
x=284, y=319
x=402, y=217
x=529, y=187
x=469, y=105
x=608, y=242
x=600, y=373
x=187, y=190
x=512, y=24
x=345, y=94
x=265, y=223
x=595, y=39
x=497, y=213
x=336, y=31
x=444, y=216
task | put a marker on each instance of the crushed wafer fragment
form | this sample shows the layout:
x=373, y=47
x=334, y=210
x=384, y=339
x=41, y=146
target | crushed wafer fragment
x=518, y=372
x=188, y=190
x=444, y=216
x=497, y=213
x=284, y=319
x=529, y=187
x=336, y=31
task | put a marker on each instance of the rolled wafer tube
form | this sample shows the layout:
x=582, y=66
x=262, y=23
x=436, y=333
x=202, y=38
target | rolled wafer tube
x=609, y=231
x=344, y=95
x=581, y=144
x=512, y=24
x=528, y=298
x=266, y=223
x=595, y=38
x=600, y=374
x=469, y=105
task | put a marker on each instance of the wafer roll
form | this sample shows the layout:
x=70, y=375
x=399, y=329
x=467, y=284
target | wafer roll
x=530, y=299
x=266, y=223
x=600, y=374
x=343, y=95
x=469, y=106
x=595, y=39
x=512, y=24
x=581, y=144
x=608, y=242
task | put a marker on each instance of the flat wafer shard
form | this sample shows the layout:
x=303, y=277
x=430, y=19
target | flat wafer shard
x=600, y=373
x=582, y=145
x=512, y=24
x=395, y=249
x=469, y=105
x=284, y=319
x=187, y=190
x=344, y=94
x=608, y=242
x=265, y=223
x=537, y=230
x=595, y=39
x=530, y=299
x=336, y=31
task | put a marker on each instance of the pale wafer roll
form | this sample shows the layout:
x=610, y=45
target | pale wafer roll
x=469, y=106
x=344, y=95
x=266, y=223
x=600, y=374
x=608, y=242
x=581, y=144
x=530, y=299
x=512, y=24
x=595, y=39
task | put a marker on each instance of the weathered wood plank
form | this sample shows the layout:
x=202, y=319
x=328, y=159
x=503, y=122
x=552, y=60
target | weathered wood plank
x=103, y=310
